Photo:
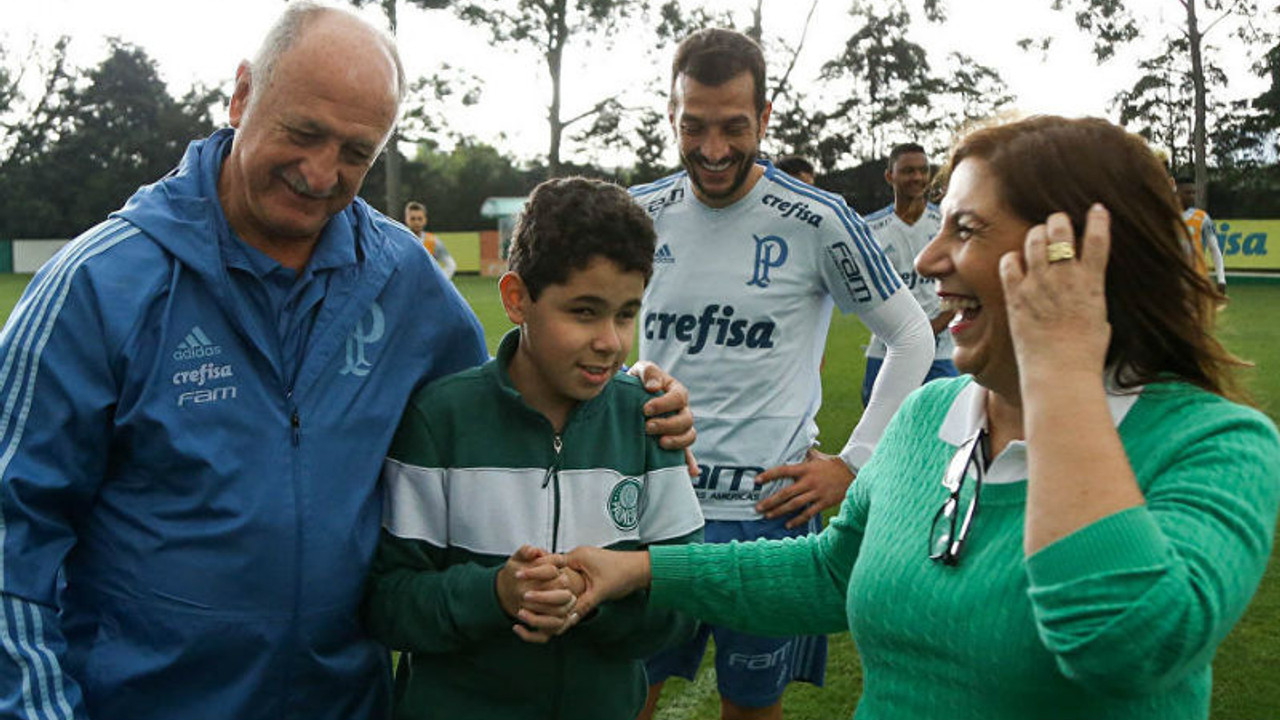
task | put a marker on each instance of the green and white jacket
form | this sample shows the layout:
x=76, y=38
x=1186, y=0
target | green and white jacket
x=473, y=474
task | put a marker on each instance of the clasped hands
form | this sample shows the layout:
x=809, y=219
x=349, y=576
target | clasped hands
x=548, y=593
x=540, y=591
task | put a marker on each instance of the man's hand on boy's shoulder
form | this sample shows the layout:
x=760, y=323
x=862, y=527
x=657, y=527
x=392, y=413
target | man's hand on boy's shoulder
x=669, y=416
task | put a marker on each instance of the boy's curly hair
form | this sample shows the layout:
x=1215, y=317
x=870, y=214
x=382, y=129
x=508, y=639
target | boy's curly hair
x=568, y=221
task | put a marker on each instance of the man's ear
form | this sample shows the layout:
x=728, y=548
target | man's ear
x=240, y=95
x=888, y=176
x=515, y=297
x=764, y=119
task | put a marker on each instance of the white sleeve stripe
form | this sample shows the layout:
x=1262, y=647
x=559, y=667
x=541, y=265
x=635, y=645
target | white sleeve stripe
x=415, y=504
x=881, y=213
x=878, y=267
x=30, y=655
x=36, y=316
x=868, y=246
x=35, y=647
x=886, y=279
x=59, y=692
x=21, y=660
x=671, y=508
x=656, y=185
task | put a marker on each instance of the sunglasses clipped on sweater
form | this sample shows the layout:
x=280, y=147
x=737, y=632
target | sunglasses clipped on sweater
x=951, y=525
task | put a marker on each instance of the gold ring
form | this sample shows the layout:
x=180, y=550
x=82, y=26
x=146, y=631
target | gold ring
x=1061, y=251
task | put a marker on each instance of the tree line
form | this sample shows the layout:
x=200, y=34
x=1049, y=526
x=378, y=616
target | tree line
x=75, y=147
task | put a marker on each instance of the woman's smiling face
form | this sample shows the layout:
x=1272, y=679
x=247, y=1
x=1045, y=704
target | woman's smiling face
x=977, y=230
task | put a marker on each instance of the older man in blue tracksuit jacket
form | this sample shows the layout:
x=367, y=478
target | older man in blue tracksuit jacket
x=190, y=439
x=194, y=489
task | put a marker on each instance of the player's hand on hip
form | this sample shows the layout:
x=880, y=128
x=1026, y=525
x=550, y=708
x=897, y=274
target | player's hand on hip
x=821, y=481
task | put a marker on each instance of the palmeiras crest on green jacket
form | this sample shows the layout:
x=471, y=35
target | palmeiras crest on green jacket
x=624, y=503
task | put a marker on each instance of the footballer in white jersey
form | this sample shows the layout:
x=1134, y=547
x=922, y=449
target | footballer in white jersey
x=749, y=263
x=901, y=244
x=738, y=308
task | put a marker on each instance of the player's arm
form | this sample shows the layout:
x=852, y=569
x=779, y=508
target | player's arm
x=909, y=343
x=445, y=259
x=1211, y=239
x=57, y=426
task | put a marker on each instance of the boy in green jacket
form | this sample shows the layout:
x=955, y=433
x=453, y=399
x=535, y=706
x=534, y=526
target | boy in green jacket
x=539, y=450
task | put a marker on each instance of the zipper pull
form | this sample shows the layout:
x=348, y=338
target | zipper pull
x=551, y=471
x=296, y=424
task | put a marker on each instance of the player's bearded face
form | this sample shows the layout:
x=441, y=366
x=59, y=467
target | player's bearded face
x=719, y=128
x=702, y=171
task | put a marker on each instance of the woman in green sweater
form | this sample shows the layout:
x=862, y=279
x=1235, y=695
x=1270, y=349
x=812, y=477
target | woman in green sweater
x=1070, y=530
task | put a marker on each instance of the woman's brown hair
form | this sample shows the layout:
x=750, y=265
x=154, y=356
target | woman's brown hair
x=1161, y=309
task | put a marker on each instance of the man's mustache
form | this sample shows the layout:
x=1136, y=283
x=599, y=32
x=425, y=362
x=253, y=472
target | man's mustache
x=300, y=185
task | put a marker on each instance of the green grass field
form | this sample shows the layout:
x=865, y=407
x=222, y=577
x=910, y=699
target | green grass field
x=1246, y=682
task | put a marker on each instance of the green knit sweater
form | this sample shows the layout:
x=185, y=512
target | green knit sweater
x=1120, y=619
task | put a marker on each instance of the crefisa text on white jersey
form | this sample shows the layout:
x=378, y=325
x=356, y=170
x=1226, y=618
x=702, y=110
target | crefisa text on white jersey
x=786, y=208
x=696, y=329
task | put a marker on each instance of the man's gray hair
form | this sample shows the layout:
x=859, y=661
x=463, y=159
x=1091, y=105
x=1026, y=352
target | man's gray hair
x=286, y=31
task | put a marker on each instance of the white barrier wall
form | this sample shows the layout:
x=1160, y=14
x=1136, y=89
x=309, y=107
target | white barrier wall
x=29, y=255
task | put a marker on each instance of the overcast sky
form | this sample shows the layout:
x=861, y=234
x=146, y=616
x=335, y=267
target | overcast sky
x=203, y=41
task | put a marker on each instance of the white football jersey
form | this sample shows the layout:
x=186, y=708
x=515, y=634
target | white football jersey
x=901, y=244
x=738, y=310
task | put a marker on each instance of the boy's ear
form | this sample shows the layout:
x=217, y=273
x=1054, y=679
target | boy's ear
x=515, y=297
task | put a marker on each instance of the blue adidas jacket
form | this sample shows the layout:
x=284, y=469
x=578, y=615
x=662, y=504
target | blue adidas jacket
x=182, y=534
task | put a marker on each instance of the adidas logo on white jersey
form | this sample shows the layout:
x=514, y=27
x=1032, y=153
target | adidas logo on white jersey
x=663, y=255
x=196, y=345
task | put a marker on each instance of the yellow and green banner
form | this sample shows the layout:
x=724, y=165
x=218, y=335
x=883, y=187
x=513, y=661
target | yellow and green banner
x=465, y=249
x=1249, y=244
